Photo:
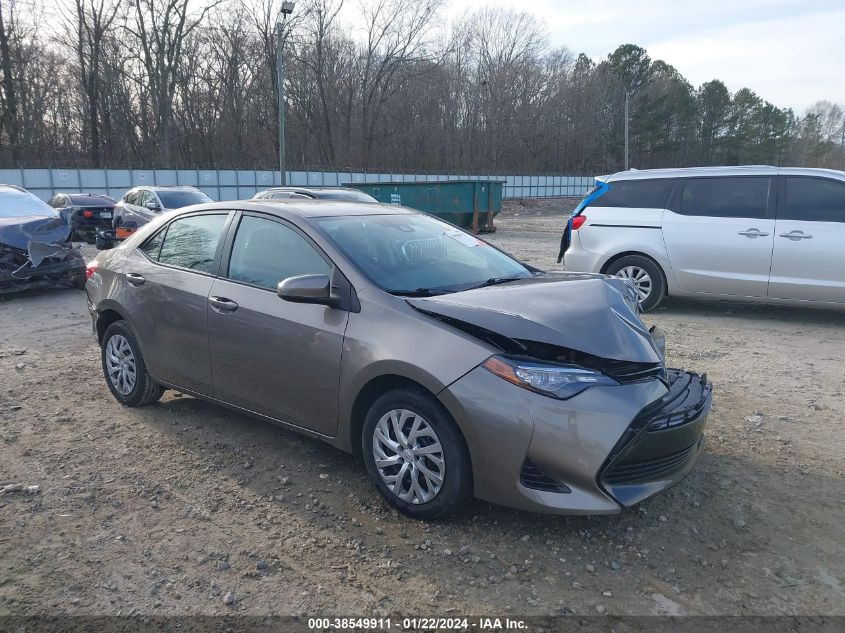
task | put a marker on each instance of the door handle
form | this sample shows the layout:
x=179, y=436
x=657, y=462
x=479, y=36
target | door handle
x=796, y=235
x=222, y=304
x=135, y=279
x=753, y=233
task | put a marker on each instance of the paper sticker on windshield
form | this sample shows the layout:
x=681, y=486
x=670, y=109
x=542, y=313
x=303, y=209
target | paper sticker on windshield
x=463, y=238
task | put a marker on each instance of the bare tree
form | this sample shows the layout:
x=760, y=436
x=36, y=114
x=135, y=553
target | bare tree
x=160, y=28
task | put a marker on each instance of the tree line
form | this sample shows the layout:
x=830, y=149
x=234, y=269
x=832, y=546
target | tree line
x=371, y=85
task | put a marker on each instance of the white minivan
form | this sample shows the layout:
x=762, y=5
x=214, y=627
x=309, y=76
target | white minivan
x=767, y=233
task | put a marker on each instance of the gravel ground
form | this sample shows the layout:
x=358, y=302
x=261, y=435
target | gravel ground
x=185, y=508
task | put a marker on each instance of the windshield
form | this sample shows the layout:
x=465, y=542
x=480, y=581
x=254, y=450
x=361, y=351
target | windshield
x=18, y=204
x=177, y=199
x=418, y=254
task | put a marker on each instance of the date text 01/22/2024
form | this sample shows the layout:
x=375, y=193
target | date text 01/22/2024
x=414, y=624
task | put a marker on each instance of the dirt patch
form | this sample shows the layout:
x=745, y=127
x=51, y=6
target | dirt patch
x=186, y=508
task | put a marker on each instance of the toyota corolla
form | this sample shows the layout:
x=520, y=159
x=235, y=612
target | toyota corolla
x=453, y=369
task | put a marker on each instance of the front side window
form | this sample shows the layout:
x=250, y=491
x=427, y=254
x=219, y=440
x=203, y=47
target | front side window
x=637, y=194
x=178, y=198
x=192, y=242
x=815, y=199
x=265, y=252
x=418, y=254
x=730, y=197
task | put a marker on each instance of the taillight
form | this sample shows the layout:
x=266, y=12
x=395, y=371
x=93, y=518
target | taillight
x=88, y=214
x=90, y=269
x=578, y=222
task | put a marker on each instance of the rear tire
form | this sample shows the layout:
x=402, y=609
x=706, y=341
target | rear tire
x=124, y=368
x=646, y=275
x=424, y=471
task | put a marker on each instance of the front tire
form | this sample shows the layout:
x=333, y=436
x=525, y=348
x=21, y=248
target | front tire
x=124, y=368
x=416, y=456
x=647, y=277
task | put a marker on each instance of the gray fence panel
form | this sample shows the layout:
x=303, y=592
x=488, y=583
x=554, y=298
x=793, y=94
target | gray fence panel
x=232, y=184
x=90, y=179
x=188, y=178
x=166, y=177
x=227, y=178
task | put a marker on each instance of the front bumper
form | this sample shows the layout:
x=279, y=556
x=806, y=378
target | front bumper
x=596, y=453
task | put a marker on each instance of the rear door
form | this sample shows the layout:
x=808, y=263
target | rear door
x=719, y=233
x=271, y=356
x=166, y=282
x=809, y=252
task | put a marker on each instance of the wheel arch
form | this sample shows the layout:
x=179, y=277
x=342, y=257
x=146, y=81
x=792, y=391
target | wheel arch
x=379, y=385
x=615, y=258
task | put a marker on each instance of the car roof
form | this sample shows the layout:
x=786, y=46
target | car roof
x=167, y=187
x=309, y=189
x=307, y=208
x=87, y=198
x=739, y=170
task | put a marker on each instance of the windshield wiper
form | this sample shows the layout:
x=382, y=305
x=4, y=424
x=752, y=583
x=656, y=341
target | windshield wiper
x=420, y=292
x=495, y=281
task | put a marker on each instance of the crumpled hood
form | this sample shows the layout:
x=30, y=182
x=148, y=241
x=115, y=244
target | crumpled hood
x=584, y=312
x=19, y=232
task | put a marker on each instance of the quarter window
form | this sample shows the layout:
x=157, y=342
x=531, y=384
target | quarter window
x=637, y=194
x=192, y=242
x=266, y=252
x=737, y=197
x=815, y=199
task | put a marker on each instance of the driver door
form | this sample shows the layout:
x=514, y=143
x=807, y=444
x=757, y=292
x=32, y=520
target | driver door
x=271, y=356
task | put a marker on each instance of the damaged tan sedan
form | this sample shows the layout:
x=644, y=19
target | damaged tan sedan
x=452, y=368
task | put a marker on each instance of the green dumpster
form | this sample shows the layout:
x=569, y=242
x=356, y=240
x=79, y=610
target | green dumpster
x=471, y=204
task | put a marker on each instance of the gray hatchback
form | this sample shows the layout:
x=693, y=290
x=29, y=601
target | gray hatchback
x=454, y=369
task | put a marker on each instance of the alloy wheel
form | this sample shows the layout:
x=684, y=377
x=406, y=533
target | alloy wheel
x=408, y=456
x=120, y=364
x=640, y=278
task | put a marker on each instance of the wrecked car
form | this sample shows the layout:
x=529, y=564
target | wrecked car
x=453, y=369
x=35, y=251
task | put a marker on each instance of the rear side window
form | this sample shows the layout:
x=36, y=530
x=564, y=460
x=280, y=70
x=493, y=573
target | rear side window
x=814, y=199
x=637, y=194
x=265, y=252
x=737, y=197
x=152, y=247
x=192, y=242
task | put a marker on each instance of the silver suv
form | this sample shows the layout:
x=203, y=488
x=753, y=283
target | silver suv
x=141, y=204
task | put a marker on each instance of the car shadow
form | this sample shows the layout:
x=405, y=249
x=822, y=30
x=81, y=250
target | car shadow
x=810, y=314
x=734, y=517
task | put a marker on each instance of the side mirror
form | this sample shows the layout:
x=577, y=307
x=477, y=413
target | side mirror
x=307, y=289
x=153, y=206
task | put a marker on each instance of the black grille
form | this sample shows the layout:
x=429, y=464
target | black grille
x=650, y=470
x=627, y=371
x=534, y=478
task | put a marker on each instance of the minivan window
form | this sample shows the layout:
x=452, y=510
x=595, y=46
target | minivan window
x=265, y=252
x=729, y=197
x=815, y=199
x=637, y=194
x=191, y=242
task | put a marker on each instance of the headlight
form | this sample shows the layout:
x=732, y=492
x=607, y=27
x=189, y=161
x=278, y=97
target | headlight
x=555, y=381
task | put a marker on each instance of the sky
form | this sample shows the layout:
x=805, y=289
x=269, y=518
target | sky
x=790, y=52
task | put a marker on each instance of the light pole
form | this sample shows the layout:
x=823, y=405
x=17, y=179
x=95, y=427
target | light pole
x=285, y=11
x=627, y=100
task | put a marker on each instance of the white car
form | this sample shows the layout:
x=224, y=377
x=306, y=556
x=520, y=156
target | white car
x=762, y=233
